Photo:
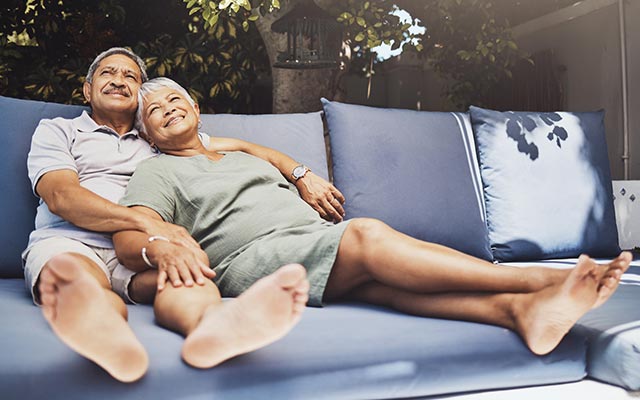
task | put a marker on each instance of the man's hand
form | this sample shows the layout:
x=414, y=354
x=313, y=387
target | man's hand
x=322, y=196
x=178, y=264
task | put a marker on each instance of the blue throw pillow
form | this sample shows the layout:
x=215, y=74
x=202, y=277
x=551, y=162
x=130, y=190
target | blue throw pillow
x=18, y=121
x=414, y=170
x=547, y=184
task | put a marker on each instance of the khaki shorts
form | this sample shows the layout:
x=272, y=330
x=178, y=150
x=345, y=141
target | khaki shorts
x=40, y=253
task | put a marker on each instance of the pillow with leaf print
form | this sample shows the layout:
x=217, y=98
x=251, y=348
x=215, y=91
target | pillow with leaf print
x=547, y=184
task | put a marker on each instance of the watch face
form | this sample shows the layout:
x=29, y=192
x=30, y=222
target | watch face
x=299, y=171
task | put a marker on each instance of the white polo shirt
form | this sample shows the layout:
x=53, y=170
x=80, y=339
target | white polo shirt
x=103, y=160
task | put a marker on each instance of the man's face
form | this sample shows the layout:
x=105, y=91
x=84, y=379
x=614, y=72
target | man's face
x=115, y=86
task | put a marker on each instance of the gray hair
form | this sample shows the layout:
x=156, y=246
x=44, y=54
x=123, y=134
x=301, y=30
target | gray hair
x=152, y=86
x=117, y=50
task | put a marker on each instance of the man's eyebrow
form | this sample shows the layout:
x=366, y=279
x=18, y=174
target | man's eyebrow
x=116, y=68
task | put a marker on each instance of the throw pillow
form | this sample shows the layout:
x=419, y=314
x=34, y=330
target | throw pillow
x=414, y=170
x=547, y=184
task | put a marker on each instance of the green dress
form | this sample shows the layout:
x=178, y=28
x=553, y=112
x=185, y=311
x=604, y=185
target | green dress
x=245, y=215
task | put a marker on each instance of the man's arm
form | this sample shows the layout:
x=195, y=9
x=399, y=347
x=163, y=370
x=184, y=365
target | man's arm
x=325, y=198
x=65, y=197
x=174, y=263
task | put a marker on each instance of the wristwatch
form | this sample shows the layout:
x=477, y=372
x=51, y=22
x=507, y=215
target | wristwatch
x=299, y=171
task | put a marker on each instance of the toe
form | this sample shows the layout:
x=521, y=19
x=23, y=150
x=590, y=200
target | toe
x=290, y=276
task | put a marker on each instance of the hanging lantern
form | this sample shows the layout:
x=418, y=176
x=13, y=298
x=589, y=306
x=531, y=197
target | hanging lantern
x=313, y=38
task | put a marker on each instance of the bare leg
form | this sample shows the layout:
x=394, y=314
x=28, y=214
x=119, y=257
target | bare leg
x=216, y=331
x=372, y=251
x=78, y=303
x=143, y=287
x=541, y=318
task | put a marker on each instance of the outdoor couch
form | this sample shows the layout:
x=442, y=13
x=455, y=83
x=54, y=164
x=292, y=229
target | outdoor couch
x=424, y=173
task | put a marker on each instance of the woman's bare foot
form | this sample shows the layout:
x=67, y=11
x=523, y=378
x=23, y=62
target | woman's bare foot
x=79, y=312
x=614, y=270
x=543, y=318
x=261, y=315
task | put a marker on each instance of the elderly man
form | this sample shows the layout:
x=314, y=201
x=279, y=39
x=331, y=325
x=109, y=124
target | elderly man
x=79, y=168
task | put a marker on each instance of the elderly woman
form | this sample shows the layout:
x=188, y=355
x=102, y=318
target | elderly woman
x=248, y=221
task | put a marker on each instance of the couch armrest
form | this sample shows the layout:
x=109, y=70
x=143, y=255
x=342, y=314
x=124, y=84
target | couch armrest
x=626, y=196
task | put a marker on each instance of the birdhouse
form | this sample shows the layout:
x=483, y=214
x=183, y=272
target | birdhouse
x=313, y=38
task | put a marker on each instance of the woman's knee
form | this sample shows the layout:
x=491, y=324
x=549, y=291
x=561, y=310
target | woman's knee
x=367, y=231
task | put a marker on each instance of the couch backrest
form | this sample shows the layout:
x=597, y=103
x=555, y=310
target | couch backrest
x=18, y=120
x=298, y=135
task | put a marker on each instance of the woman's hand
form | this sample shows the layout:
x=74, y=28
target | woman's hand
x=179, y=264
x=322, y=196
x=175, y=233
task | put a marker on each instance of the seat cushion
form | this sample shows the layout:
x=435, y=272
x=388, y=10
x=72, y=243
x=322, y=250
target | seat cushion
x=547, y=184
x=343, y=351
x=612, y=330
x=414, y=170
x=18, y=121
x=300, y=136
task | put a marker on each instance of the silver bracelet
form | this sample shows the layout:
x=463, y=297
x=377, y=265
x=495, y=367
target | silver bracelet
x=143, y=252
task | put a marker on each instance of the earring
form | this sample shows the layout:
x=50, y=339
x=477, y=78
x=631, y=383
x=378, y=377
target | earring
x=199, y=124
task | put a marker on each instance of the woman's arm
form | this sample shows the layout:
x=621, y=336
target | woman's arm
x=174, y=262
x=325, y=198
x=65, y=197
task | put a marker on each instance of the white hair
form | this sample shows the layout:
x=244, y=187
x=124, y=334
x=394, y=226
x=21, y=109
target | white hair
x=152, y=86
x=117, y=50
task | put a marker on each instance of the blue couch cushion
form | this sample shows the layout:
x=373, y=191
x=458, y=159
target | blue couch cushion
x=547, y=184
x=18, y=121
x=613, y=331
x=338, y=352
x=414, y=170
x=300, y=136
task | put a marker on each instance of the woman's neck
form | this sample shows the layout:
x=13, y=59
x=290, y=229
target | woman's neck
x=194, y=148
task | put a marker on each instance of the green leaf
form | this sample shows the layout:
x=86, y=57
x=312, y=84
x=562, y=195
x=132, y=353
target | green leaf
x=214, y=19
x=359, y=37
x=361, y=21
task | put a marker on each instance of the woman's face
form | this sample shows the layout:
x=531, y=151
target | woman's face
x=169, y=119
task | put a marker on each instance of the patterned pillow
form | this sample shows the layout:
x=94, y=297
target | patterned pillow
x=547, y=184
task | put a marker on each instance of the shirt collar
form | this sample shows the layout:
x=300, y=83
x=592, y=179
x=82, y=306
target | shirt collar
x=84, y=123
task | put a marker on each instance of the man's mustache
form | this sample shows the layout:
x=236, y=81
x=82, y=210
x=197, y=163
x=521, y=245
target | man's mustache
x=117, y=90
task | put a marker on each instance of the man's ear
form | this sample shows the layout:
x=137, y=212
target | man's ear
x=86, y=91
x=197, y=108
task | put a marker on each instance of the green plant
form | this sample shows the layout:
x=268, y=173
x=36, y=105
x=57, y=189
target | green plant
x=470, y=48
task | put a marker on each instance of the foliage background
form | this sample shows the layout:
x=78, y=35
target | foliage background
x=57, y=41
x=47, y=45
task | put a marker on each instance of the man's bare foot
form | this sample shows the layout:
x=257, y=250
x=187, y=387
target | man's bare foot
x=79, y=312
x=543, y=318
x=261, y=315
x=611, y=279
